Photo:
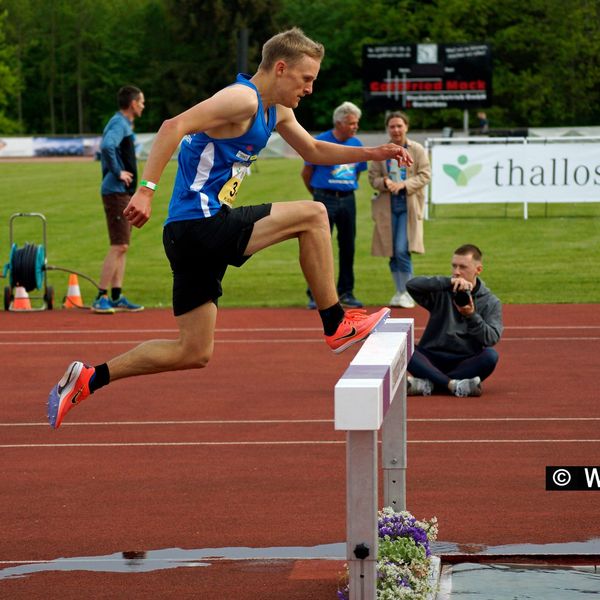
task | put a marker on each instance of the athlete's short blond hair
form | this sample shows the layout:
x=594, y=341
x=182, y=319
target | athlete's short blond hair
x=291, y=46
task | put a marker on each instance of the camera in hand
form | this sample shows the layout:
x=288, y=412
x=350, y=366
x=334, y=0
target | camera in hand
x=462, y=297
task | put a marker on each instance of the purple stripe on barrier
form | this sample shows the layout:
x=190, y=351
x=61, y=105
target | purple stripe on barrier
x=388, y=327
x=372, y=372
x=365, y=372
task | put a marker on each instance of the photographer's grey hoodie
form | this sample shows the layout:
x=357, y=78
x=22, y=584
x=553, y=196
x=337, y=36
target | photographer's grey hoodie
x=448, y=331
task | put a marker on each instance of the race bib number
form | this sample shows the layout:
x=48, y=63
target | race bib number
x=229, y=191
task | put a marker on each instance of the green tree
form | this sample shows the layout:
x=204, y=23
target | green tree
x=546, y=54
x=548, y=66
x=73, y=56
x=62, y=61
x=9, y=81
x=201, y=56
x=336, y=25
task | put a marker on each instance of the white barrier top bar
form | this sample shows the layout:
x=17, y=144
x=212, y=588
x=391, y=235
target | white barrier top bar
x=366, y=389
x=404, y=325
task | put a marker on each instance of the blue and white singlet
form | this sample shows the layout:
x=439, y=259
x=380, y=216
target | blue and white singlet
x=211, y=170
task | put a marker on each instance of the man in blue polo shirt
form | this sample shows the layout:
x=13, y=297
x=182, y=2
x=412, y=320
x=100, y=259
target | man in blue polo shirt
x=334, y=186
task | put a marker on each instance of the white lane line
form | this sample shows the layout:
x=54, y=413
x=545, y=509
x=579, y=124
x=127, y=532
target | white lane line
x=198, y=422
x=250, y=329
x=273, y=341
x=491, y=441
x=544, y=327
x=297, y=421
x=149, y=330
x=502, y=419
x=175, y=444
x=545, y=339
x=290, y=443
x=117, y=342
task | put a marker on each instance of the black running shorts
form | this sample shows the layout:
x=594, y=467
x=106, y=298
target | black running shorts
x=200, y=250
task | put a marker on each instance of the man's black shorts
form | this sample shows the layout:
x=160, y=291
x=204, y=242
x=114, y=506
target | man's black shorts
x=200, y=250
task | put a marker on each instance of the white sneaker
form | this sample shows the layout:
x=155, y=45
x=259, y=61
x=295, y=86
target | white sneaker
x=466, y=387
x=418, y=387
x=402, y=300
x=396, y=299
x=406, y=300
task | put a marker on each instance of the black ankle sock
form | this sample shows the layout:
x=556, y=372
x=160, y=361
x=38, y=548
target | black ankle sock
x=101, y=293
x=115, y=294
x=331, y=318
x=100, y=378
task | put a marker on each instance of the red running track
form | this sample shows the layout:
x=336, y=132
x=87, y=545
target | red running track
x=243, y=454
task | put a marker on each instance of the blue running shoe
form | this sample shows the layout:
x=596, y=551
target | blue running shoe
x=122, y=304
x=102, y=306
x=348, y=300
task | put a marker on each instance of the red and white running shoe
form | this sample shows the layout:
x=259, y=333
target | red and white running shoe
x=355, y=327
x=69, y=391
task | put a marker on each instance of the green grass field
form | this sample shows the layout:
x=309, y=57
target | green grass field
x=554, y=256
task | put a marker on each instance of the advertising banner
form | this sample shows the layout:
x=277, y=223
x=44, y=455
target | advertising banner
x=58, y=146
x=534, y=172
x=427, y=75
x=12, y=147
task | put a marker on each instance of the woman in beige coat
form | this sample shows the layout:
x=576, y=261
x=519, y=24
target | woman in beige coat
x=398, y=207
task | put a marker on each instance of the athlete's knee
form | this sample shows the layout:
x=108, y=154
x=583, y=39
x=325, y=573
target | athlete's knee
x=321, y=210
x=197, y=357
x=317, y=214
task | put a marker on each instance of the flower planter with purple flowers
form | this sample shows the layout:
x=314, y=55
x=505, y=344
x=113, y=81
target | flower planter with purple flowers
x=405, y=566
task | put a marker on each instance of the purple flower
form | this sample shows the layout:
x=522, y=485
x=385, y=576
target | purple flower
x=398, y=525
x=343, y=594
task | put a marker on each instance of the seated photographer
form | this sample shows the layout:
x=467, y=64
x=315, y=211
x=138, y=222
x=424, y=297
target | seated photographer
x=455, y=352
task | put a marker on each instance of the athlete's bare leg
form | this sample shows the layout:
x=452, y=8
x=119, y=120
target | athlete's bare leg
x=307, y=220
x=192, y=350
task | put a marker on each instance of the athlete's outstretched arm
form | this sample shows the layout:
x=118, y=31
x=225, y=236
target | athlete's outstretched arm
x=325, y=153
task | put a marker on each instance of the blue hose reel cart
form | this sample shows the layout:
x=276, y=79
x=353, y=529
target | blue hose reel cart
x=26, y=268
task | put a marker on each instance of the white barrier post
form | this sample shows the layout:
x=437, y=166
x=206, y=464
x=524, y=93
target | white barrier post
x=393, y=431
x=372, y=393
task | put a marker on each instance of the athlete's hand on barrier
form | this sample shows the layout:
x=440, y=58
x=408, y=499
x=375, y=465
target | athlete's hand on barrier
x=139, y=209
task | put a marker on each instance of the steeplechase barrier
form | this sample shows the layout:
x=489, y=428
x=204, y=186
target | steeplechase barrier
x=371, y=395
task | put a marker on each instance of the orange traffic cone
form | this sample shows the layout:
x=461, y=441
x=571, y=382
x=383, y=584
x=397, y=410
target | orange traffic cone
x=73, y=298
x=21, y=301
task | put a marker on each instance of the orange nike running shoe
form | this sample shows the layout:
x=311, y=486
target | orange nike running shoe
x=69, y=391
x=355, y=327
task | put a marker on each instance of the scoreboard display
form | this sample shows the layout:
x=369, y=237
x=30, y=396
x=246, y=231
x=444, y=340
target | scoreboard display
x=427, y=75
